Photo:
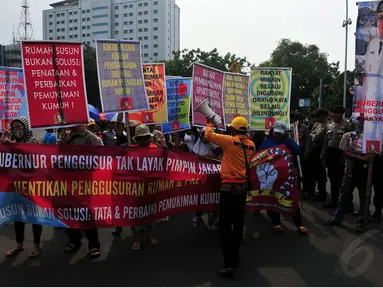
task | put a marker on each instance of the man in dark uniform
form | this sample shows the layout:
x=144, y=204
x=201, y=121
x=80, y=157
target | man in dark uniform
x=332, y=156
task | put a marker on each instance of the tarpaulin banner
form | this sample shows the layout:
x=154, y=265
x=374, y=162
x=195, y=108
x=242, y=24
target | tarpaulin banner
x=178, y=92
x=368, y=91
x=236, y=96
x=154, y=76
x=54, y=83
x=121, y=80
x=270, y=90
x=207, y=84
x=13, y=103
x=91, y=186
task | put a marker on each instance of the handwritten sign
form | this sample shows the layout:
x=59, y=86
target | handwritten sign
x=207, y=84
x=178, y=92
x=13, y=103
x=154, y=75
x=121, y=80
x=270, y=91
x=236, y=96
x=54, y=83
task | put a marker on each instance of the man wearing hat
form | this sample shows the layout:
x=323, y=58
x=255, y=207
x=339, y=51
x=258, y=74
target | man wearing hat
x=237, y=153
x=332, y=156
x=92, y=128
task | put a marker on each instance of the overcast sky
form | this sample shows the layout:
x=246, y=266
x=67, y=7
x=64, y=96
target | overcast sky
x=250, y=28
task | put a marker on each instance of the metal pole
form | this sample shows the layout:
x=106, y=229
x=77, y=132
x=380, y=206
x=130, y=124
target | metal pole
x=345, y=23
x=320, y=93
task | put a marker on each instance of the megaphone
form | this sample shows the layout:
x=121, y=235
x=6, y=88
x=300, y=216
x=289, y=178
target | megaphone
x=205, y=110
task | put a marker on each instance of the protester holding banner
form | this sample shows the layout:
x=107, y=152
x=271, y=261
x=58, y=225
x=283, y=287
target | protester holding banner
x=332, y=155
x=143, y=138
x=81, y=136
x=278, y=137
x=21, y=133
x=237, y=152
x=49, y=137
x=92, y=128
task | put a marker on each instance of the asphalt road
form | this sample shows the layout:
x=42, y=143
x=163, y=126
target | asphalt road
x=188, y=256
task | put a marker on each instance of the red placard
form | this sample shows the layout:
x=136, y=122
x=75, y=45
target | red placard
x=54, y=83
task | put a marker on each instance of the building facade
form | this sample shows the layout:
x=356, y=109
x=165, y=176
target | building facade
x=10, y=55
x=155, y=23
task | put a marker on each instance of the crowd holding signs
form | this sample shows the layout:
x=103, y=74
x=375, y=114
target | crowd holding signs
x=168, y=183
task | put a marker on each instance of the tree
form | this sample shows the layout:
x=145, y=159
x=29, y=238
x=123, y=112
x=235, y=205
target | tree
x=182, y=62
x=91, y=77
x=308, y=65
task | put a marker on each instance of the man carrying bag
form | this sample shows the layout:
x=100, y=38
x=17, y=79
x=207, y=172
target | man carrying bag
x=237, y=152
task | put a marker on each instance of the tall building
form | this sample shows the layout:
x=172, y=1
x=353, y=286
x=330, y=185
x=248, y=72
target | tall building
x=155, y=23
x=10, y=55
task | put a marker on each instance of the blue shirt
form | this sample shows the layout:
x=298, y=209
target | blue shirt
x=49, y=138
x=271, y=142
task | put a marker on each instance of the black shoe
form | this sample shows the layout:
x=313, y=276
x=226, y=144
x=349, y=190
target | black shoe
x=375, y=218
x=116, y=231
x=332, y=222
x=360, y=228
x=331, y=205
x=227, y=272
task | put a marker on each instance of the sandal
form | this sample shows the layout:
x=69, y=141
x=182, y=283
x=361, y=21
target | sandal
x=14, y=252
x=95, y=253
x=165, y=219
x=153, y=242
x=278, y=229
x=34, y=254
x=72, y=248
x=302, y=230
x=136, y=246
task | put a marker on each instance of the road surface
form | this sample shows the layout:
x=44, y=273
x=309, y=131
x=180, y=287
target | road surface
x=188, y=256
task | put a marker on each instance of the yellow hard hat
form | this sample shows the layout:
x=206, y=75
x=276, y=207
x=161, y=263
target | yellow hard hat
x=239, y=123
x=91, y=122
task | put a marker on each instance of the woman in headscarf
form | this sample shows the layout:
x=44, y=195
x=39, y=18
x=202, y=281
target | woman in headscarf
x=21, y=133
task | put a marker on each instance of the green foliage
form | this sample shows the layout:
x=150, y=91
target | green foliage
x=308, y=64
x=182, y=62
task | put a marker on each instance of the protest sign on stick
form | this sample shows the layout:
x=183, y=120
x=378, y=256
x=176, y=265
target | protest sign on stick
x=121, y=79
x=154, y=76
x=179, y=94
x=270, y=90
x=207, y=84
x=13, y=103
x=54, y=83
x=236, y=96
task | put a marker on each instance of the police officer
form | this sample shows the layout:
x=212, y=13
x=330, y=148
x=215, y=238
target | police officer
x=332, y=156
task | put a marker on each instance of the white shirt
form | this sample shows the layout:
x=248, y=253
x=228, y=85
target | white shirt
x=373, y=59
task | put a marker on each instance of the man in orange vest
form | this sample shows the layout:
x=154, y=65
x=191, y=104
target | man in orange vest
x=237, y=153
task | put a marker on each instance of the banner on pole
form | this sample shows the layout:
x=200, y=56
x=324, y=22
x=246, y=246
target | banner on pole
x=368, y=92
x=207, y=84
x=154, y=76
x=236, y=96
x=93, y=186
x=270, y=91
x=54, y=83
x=121, y=80
x=13, y=103
x=178, y=92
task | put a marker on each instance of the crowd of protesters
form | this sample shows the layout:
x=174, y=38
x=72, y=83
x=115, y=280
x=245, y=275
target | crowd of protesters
x=328, y=147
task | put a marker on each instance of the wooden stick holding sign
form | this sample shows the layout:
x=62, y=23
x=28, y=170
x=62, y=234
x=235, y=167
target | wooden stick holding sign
x=296, y=138
x=368, y=191
x=127, y=125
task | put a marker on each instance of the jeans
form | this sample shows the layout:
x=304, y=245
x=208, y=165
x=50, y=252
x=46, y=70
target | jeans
x=231, y=222
x=19, y=231
x=75, y=237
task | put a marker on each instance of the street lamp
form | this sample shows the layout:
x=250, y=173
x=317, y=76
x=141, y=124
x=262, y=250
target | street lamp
x=345, y=25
